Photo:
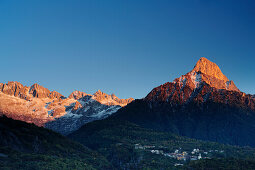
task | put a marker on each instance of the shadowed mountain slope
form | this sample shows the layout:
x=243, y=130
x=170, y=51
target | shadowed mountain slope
x=26, y=146
x=129, y=146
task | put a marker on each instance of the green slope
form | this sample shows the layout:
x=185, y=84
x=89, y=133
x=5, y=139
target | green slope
x=220, y=164
x=26, y=146
x=116, y=139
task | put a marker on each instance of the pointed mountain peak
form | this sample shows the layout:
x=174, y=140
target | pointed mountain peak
x=112, y=99
x=99, y=92
x=39, y=91
x=77, y=95
x=36, y=85
x=55, y=94
x=208, y=72
x=209, y=68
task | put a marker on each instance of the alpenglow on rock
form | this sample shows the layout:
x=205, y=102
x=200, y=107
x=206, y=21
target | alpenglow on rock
x=212, y=75
x=205, y=74
x=38, y=105
x=87, y=108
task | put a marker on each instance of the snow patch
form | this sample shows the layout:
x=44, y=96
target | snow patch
x=69, y=114
x=196, y=79
x=104, y=113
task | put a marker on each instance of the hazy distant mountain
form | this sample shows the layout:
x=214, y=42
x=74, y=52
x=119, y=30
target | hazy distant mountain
x=201, y=104
x=43, y=107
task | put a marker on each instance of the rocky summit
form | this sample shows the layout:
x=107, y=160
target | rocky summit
x=16, y=89
x=204, y=83
x=212, y=75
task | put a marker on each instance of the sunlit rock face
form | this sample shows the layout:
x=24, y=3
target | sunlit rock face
x=39, y=105
x=15, y=89
x=209, y=68
x=110, y=100
x=204, y=82
x=86, y=108
x=212, y=75
x=77, y=95
x=30, y=104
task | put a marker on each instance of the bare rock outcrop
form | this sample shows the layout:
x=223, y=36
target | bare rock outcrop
x=77, y=95
x=106, y=99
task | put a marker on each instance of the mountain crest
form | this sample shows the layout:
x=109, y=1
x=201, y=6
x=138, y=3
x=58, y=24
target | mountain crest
x=77, y=95
x=204, y=81
x=107, y=99
x=41, y=92
x=209, y=68
x=99, y=92
x=102, y=98
x=211, y=74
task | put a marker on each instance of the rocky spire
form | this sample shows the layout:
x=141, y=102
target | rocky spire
x=210, y=73
x=77, y=95
x=107, y=99
x=15, y=88
x=209, y=68
x=39, y=91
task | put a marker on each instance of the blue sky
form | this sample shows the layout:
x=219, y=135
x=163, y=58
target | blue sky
x=123, y=47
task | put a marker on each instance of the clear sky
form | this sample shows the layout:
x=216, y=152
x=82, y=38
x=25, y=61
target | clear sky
x=125, y=47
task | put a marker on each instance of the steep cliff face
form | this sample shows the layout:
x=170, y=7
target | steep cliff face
x=212, y=75
x=201, y=104
x=209, y=68
x=41, y=92
x=15, y=89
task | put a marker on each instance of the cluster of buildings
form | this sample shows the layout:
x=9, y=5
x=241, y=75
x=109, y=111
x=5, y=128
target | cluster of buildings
x=195, y=154
x=184, y=156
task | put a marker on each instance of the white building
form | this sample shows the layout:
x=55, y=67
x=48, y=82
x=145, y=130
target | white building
x=199, y=156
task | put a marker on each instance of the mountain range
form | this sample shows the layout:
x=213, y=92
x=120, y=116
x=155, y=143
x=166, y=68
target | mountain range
x=201, y=109
x=202, y=104
x=38, y=105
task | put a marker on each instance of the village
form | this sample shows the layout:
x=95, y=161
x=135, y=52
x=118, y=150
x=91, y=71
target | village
x=179, y=154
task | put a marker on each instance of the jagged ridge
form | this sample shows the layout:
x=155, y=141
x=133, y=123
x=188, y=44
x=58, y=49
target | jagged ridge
x=38, y=105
